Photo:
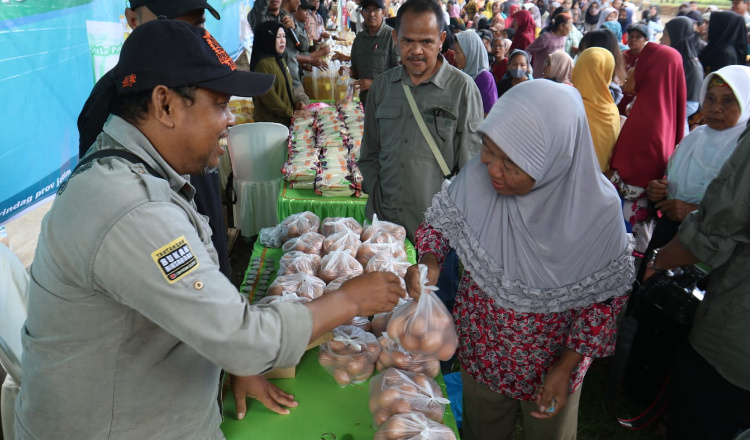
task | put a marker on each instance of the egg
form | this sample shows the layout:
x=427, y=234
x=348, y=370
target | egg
x=380, y=416
x=432, y=342
x=401, y=406
x=387, y=397
x=446, y=351
x=342, y=377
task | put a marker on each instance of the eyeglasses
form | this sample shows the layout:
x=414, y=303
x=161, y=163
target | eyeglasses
x=371, y=10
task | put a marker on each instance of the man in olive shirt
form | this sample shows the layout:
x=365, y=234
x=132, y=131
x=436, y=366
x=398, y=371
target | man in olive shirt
x=374, y=51
x=401, y=173
x=709, y=388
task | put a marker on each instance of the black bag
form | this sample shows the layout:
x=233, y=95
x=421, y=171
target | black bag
x=658, y=319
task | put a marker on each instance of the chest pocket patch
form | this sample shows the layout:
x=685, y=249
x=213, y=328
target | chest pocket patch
x=175, y=260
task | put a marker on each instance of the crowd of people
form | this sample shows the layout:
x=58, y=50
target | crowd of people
x=558, y=151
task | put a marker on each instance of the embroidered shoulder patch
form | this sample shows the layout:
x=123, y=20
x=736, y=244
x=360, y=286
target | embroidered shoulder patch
x=175, y=260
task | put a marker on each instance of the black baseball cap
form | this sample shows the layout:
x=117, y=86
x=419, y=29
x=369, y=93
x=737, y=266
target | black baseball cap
x=304, y=4
x=174, y=54
x=365, y=3
x=174, y=8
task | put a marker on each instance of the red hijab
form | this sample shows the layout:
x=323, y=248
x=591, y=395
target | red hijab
x=526, y=30
x=509, y=21
x=648, y=137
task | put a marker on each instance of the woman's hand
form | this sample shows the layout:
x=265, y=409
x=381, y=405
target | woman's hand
x=656, y=190
x=553, y=396
x=675, y=209
x=413, y=286
x=302, y=114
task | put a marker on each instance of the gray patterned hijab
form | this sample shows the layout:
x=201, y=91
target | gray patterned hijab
x=561, y=246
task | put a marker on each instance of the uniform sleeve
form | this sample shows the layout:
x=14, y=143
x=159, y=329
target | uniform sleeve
x=593, y=332
x=469, y=142
x=354, y=53
x=369, y=157
x=271, y=100
x=153, y=261
x=722, y=220
x=260, y=7
x=429, y=240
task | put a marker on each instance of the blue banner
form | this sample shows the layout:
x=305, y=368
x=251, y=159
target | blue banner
x=53, y=52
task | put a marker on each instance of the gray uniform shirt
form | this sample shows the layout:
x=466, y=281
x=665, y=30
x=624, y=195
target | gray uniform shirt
x=291, y=52
x=718, y=233
x=401, y=174
x=130, y=320
x=259, y=13
x=374, y=54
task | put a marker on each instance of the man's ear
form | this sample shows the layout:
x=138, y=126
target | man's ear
x=442, y=38
x=132, y=18
x=162, y=105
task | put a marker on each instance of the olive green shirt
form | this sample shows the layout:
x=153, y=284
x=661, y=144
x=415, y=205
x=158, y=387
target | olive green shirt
x=275, y=105
x=373, y=54
x=401, y=174
x=718, y=233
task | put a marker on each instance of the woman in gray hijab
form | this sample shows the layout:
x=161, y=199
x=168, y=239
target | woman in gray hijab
x=547, y=263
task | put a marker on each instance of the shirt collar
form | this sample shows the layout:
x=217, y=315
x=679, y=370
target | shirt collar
x=439, y=78
x=131, y=139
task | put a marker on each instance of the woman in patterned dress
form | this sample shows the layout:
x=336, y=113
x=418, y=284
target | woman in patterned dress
x=547, y=263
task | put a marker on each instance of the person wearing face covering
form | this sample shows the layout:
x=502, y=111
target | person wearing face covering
x=519, y=70
x=625, y=19
x=727, y=41
x=591, y=17
x=471, y=58
x=679, y=34
x=525, y=32
x=534, y=306
x=268, y=57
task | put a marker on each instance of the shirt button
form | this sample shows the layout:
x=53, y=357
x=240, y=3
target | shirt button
x=198, y=285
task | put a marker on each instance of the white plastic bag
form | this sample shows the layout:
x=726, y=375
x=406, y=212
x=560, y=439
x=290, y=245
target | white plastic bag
x=424, y=326
x=392, y=229
x=413, y=426
x=350, y=357
x=400, y=392
x=300, y=283
x=338, y=263
x=331, y=225
x=309, y=243
x=342, y=240
x=299, y=262
x=393, y=355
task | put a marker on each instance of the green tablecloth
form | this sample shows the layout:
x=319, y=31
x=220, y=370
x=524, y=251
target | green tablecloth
x=324, y=407
x=292, y=201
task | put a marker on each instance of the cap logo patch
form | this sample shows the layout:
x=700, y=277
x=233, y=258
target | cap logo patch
x=175, y=260
x=221, y=54
x=128, y=81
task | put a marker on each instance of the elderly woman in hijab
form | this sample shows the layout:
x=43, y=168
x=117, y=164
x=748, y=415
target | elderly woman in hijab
x=558, y=67
x=679, y=34
x=471, y=57
x=591, y=76
x=534, y=305
x=268, y=57
x=648, y=137
x=550, y=42
x=725, y=95
x=727, y=41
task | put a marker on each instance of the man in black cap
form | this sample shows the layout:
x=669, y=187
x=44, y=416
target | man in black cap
x=130, y=321
x=373, y=51
x=99, y=105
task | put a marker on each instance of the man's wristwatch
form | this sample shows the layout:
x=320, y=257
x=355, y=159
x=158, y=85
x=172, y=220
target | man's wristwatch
x=652, y=261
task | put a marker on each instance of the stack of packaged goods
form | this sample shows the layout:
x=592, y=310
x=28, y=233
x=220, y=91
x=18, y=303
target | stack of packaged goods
x=324, y=150
x=332, y=180
x=301, y=167
x=354, y=117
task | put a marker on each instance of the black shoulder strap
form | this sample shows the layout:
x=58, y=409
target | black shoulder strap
x=127, y=155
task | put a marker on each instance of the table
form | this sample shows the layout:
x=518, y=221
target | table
x=324, y=407
x=292, y=201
